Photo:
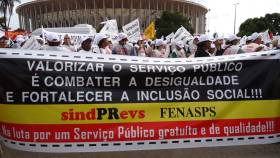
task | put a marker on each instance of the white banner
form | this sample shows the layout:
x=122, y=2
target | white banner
x=133, y=30
x=110, y=29
x=170, y=37
x=266, y=37
x=182, y=34
x=32, y=44
x=76, y=38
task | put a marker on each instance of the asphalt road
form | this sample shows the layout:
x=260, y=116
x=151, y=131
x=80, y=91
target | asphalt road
x=256, y=151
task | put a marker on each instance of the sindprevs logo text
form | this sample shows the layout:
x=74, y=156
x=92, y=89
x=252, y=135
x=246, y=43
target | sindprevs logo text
x=102, y=114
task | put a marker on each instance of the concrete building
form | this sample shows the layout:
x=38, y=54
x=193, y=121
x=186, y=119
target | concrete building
x=67, y=13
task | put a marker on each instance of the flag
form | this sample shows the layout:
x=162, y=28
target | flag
x=150, y=31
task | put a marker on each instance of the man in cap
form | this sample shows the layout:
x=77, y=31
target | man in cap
x=233, y=45
x=86, y=46
x=101, y=40
x=179, y=51
x=54, y=43
x=122, y=48
x=203, y=46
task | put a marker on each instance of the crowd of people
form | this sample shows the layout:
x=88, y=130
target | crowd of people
x=199, y=46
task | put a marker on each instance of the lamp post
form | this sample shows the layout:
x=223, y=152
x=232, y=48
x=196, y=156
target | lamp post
x=208, y=21
x=235, y=8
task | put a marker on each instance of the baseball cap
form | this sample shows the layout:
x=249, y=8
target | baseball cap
x=249, y=38
x=52, y=37
x=232, y=38
x=255, y=36
x=122, y=36
x=204, y=38
x=159, y=42
x=99, y=37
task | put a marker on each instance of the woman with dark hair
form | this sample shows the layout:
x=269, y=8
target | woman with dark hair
x=203, y=46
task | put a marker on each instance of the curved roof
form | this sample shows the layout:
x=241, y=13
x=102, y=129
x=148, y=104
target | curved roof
x=194, y=2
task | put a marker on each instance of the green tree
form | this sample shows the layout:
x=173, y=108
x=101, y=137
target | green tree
x=171, y=22
x=6, y=8
x=270, y=21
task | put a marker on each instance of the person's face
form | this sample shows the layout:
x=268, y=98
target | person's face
x=86, y=45
x=104, y=43
x=219, y=42
x=258, y=41
x=162, y=47
x=3, y=43
x=195, y=41
x=123, y=42
x=67, y=40
x=140, y=43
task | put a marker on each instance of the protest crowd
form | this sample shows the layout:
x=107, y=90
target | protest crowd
x=187, y=46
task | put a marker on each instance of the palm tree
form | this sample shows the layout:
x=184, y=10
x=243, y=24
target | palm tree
x=6, y=8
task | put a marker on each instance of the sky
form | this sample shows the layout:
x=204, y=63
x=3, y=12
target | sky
x=220, y=19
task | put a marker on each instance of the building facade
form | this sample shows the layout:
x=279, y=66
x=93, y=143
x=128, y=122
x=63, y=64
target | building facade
x=67, y=13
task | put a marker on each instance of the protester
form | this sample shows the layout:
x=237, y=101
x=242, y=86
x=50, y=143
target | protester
x=212, y=50
x=86, y=46
x=254, y=44
x=249, y=40
x=203, y=46
x=139, y=48
x=233, y=46
x=276, y=44
x=67, y=44
x=150, y=49
x=179, y=51
x=250, y=46
x=53, y=43
x=122, y=48
x=197, y=46
x=161, y=51
x=101, y=40
x=4, y=42
x=193, y=45
x=19, y=42
x=218, y=42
